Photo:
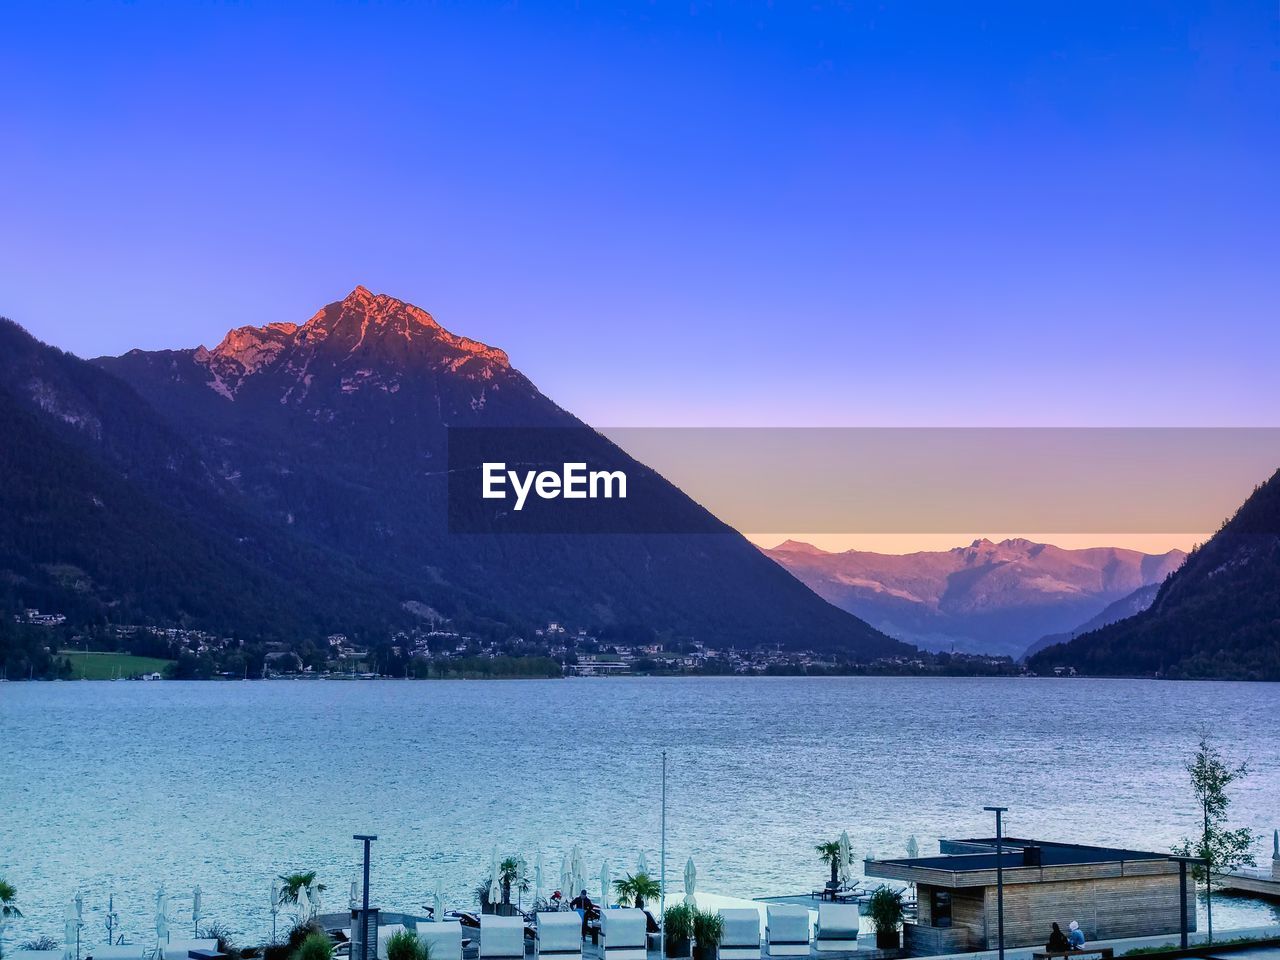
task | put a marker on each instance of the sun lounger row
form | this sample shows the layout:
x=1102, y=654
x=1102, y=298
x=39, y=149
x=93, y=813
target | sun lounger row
x=624, y=934
x=787, y=931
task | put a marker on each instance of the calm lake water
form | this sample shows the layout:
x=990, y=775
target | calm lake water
x=115, y=787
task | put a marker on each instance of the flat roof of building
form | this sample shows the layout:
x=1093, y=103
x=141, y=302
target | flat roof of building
x=1052, y=853
x=973, y=861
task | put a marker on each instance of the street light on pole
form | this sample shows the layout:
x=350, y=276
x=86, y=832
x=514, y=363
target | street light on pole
x=999, y=812
x=662, y=865
x=366, y=838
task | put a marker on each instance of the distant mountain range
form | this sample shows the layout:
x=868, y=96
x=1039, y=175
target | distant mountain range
x=1218, y=616
x=293, y=481
x=987, y=597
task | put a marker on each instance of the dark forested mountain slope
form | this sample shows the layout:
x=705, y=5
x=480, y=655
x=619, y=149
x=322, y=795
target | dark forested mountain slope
x=1217, y=616
x=106, y=512
x=1126, y=606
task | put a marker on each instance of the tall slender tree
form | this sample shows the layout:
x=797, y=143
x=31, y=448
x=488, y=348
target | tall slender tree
x=1219, y=848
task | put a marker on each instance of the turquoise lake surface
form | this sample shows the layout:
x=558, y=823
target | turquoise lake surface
x=117, y=787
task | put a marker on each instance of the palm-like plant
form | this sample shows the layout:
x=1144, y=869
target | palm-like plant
x=637, y=888
x=511, y=871
x=829, y=853
x=8, y=906
x=293, y=883
x=8, y=900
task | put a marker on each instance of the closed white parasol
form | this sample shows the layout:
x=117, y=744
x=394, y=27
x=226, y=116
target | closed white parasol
x=70, y=932
x=162, y=916
x=566, y=883
x=846, y=859
x=495, y=880
x=304, y=905
x=579, y=872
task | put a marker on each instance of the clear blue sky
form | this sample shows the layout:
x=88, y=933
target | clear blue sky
x=868, y=213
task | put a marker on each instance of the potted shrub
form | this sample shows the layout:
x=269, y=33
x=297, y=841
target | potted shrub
x=678, y=922
x=884, y=907
x=708, y=927
x=317, y=946
x=405, y=945
x=40, y=943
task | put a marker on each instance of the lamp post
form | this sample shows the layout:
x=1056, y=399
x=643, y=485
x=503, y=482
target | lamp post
x=275, y=908
x=113, y=918
x=1184, y=912
x=999, y=812
x=662, y=867
x=366, y=838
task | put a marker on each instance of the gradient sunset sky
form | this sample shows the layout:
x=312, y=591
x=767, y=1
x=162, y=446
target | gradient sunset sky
x=671, y=214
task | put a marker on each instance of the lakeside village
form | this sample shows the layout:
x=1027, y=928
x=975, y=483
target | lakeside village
x=153, y=652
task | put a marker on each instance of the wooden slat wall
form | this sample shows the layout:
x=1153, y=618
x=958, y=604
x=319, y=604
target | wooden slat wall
x=968, y=912
x=922, y=941
x=1106, y=908
x=968, y=925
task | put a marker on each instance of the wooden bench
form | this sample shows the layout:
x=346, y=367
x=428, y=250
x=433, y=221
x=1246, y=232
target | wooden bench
x=1106, y=953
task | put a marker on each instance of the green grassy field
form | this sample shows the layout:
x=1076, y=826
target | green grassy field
x=107, y=666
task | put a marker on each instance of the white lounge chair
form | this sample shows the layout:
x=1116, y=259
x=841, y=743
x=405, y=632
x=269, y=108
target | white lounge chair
x=741, y=937
x=501, y=938
x=443, y=940
x=786, y=932
x=622, y=934
x=837, y=927
x=112, y=951
x=559, y=935
x=179, y=949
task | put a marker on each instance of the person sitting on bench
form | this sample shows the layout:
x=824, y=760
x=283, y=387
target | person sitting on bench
x=1076, y=936
x=1058, y=942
